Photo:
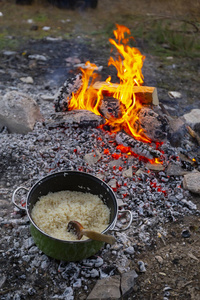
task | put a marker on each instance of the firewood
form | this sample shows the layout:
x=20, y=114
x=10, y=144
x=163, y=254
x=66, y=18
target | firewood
x=146, y=94
x=193, y=134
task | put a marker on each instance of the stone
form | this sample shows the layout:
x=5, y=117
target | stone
x=128, y=172
x=174, y=95
x=129, y=250
x=141, y=266
x=92, y=158
x=9, y=53
x=106, y=288
x=155, y=167
x=177, y=130
x=46, y=28
x=128, y=282
x=174, y=169
x=192, y=117
x=113, y=183
x=191, y=182
x=37, y=57
x=19, y=112
x=159, y=259
x=28, y=80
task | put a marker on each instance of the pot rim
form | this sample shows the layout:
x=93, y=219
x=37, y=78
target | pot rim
x=65, y=173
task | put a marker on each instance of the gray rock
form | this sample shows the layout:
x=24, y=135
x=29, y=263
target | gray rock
x=141, y=266
x=99, y=262
x=28, y=243
x=38, y=57
x=192, y=117
x=106, y=288
x=159, y=259
x=18, y=112
x=28, y=79
x=128, y=172
x=174, y=95
x=174, y=169
x=93, y=157
x=9, y=53
x=128, y=282
x=129, y=250
x=191, y=182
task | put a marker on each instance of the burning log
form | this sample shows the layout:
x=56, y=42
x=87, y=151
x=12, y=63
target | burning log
x=64, y=94
x=120, y=104
x=154, y=126
x=146, y=94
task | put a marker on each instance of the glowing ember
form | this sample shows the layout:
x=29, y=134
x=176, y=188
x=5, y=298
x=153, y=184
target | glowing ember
x=129, y=70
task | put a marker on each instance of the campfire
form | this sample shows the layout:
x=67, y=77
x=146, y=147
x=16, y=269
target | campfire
x=121, y=104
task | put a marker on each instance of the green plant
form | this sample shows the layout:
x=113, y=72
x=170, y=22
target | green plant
x=168, y=36
x=8, y=43
x=40, y=18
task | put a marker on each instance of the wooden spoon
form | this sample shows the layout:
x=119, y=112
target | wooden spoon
x=77, y=229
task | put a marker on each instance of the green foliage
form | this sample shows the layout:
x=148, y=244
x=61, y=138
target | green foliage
x=41, y=18
x=107, y=31
x=171, y=37
x=8, y=43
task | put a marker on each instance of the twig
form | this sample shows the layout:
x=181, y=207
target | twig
x=193, y=134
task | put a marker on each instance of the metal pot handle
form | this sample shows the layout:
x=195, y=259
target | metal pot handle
x=126, y=211
x=13, y=197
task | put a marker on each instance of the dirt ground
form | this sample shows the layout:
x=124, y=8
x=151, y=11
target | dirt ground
x=172, y=264
x=172, y=261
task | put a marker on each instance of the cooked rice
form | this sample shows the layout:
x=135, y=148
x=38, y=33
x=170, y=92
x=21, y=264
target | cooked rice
x=53, y=212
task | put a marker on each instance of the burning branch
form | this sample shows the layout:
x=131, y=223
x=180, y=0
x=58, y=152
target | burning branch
x=129, y=95
x=145, y=94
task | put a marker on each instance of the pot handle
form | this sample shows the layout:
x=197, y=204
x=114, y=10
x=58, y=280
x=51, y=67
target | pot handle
x=126, y=211
x=13, y=197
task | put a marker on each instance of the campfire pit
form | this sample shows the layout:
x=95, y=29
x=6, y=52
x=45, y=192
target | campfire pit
x=162, y=210
x=127, y=106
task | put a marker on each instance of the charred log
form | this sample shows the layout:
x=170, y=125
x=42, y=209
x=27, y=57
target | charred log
x=154, y=126
x=110, y=108
x=64, y=95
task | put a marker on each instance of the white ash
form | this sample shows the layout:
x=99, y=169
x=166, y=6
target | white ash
x=153, y=197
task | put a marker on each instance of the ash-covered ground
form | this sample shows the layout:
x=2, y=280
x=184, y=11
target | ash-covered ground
x=158, y=256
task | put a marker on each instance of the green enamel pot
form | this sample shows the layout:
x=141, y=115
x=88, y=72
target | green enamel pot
x=73, y=181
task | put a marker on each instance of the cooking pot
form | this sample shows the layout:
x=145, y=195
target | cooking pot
x=73, y=181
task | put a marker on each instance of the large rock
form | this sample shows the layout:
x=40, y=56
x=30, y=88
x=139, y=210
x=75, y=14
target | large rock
x=106, y=288
x=193, y=116
x=18, y=112
x=191, y=182
x=128, y=282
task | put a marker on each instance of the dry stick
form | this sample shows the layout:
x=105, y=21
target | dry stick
x=193, y=134
x=147, y=94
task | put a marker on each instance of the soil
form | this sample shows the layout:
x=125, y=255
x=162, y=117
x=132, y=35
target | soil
x=172, y=262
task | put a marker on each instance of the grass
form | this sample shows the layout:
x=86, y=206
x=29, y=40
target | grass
x=8, y=43
x=174, y=37
x=163, y=27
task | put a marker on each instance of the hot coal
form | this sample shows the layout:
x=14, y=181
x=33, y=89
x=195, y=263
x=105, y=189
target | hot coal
x=155, y=198
x=151, y=196
x=153, y=125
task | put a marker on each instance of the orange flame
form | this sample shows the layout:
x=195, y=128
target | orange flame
x=129, y=71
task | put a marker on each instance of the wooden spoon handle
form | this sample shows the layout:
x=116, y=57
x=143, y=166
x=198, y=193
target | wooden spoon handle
x=99, y=236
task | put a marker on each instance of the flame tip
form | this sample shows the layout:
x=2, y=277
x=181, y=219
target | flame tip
x=129, y=65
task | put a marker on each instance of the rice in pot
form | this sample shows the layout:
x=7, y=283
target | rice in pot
x=53, y=212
